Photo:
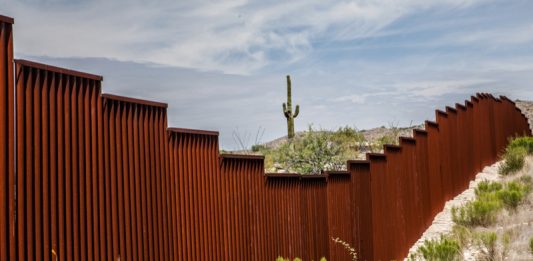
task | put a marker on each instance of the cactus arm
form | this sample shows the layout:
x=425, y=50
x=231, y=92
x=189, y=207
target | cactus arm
x=285, y=111
x=296, y=111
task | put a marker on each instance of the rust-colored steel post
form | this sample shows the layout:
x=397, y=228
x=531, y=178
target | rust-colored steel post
x=7, y=141
x=245, y=172
x=436, y=188
x=463, y=177
x=445, y=154
x=284, y=203
x=314, y=221
x=413, y=197
x=248, y=170
x=381, y=209
x=395, y=197
x=422, y=178
x=205, y=197
x=55, y=134
x=453, y=151
x=137, y=195
x=470, y=161
x=364, y=228
x=341, y=213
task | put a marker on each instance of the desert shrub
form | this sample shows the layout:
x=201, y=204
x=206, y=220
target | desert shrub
x=514, y=192
x=489, y=247
x=522, y=142
x=486, y=186
x=258, y=147
x=514, y=159
x=443, y=249
x=486, y=242
x=315, y=150
x=480, y=212
x=506, y=242
x=461, y=234
x=490, y=198
x=531, y=245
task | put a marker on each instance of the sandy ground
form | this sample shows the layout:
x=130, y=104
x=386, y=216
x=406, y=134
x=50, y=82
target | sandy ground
x=520, y=224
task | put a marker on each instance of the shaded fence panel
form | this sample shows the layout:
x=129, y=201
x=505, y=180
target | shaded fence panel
x=341, y=214
x=7, y=138
x=137, y=192
x=436, y=164
x=314, y=203
x=57, y=138
x=203, y=197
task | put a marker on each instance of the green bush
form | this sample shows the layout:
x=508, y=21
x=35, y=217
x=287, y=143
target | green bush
x=486, y=186
x=443, y=249
x=480, y=212
x=315, y=150
x=522, y=142
x=514, y=193
x=514, y=160
x=490, y=198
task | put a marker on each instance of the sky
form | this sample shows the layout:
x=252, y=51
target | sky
x=221, y=65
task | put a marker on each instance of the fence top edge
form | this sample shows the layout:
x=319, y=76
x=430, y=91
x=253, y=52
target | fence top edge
x=441, y=113
x=450, y=109
x=313, y=176
x=7, y=19
x=241, y=156
x=460, y=106
x=503, y=97
x=134, y=100
x=474, y=98
x=409, y=140
x=371, y=156
x=391, y=148
x=192, y=131
x=337, y=173
x=356, y=162
x=282, y=175
x=420, y=132
x=432, y=124
x=60, y=70
x=469, y=103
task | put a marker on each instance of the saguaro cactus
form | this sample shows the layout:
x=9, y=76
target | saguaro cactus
x=287, y=110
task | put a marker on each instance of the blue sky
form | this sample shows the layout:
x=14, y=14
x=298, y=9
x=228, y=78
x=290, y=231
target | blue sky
x=221, y=65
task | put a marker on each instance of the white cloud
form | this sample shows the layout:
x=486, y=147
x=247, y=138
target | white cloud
x=231, y=36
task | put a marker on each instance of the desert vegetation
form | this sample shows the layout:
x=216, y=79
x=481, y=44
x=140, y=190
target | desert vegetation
x=515, y=154
x=481, y=230
x=315, y=150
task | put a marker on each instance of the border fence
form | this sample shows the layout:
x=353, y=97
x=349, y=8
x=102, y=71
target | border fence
x=92, y=176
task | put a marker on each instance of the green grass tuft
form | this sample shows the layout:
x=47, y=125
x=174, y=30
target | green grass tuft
x=490, y=198
x=531, y=245
x=522, y=142
x=514, y=160
x=515, y=154
x=443, y=249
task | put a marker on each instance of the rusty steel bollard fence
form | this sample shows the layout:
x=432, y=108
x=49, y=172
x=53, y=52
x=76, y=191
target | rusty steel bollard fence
x=92, y=176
